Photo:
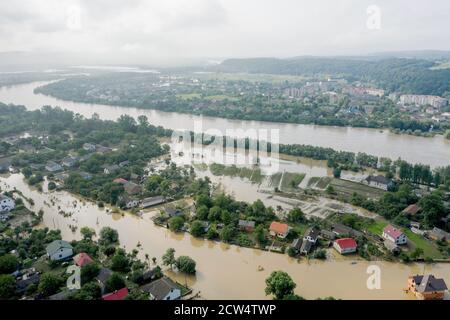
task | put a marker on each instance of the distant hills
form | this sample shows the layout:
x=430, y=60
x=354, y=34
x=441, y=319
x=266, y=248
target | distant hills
x=408, y=75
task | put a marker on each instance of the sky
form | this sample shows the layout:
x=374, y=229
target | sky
x=146, y=31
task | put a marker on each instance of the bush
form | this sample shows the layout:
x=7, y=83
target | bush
x=186, y=264
x=197, y=229
x=115, y=282
x=176, y=223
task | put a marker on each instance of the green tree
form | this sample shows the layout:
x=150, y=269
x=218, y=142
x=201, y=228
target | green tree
x=120, y=262
x=87, y=233
x=115, y=282
x=8, y=263
x=108, y=236
x=186, y=264
x=197, y=229
x=296, y=215
x=202, y=212
x=169, y=257
x=279, y=284
x=176, y=223
x=89, y=272
x=260, y=234
x=7, y=286
x=227, y=233
x=49, y=284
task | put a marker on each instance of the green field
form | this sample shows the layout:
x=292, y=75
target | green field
x=291, y=181
x=377, y=227
x=221, y=97
x=347, y=188
x=250, y=77
x=429, y=248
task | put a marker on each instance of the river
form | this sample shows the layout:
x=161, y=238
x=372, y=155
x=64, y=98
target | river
x=226, y=271
x=432, y=151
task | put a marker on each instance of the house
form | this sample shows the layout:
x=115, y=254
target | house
x=343, y=231
x=26, y=280
x=152, y=201
x=151, y=275
x=124, y=163
x=120, y=294
x=246, y=225
x=412, y=209
x=110, y=169
x=296, y=244
x=172, y=212
x=103, y=150
x=306, y=247
x=89, y=147
x=132, y=188
x=427, y=287
x=120, y=181
x=162, y=289
x=69, y=161
x=52, y=166
x=82, y=259
x=439, y=235
x=63, y=295
x=345, y=245
x=129, y=203
x=279, y=229
x=59, y=250
x=329, y=235
x=395, y=235
x=311, y=235
x=6, y=204
x=102, y=277
x=380, y=182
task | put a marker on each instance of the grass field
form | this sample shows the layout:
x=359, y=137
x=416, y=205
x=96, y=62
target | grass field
x=347, y=188
x=291, y=181
x=429, y=248
x=377, y=227
x=257, y=77
x=221, y=97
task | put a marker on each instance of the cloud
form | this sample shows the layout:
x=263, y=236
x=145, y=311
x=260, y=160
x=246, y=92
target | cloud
x=143, y=29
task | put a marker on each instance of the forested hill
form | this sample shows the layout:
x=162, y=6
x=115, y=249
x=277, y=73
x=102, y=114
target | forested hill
x=392, y=74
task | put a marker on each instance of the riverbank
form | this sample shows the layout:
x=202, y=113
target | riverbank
x=369, y=141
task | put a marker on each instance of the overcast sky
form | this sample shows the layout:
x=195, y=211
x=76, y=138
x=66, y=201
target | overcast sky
x=141, y=30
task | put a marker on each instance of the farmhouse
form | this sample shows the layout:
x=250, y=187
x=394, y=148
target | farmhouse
x=345, y=245
x=59, y=250
x=246, y=225
x=279, y=229
x=162, y=289
x=395, y=235
x=379, y=182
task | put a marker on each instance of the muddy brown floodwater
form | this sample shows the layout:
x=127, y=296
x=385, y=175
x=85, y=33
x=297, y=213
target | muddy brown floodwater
x=224, y=271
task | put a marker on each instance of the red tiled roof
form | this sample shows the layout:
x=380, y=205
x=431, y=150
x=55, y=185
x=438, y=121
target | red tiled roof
x=120, y=180
x=116, y=295
x=278, y=227
x=346, y=243
x=392, y=231
x=82, y=259
x=412, y=209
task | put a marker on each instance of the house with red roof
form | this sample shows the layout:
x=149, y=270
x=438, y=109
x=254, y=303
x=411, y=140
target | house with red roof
x=345, y=245
x=82, y=259
x=279, y=229
x=395, y=235
x=120, y=181
x=116, y=295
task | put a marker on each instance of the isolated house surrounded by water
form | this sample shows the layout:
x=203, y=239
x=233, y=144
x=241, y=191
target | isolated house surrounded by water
x=427, y=287
x=59, y=250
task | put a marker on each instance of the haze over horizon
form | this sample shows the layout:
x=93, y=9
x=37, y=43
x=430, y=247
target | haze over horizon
x=175, y=31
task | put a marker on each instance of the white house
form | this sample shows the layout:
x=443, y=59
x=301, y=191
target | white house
x=6, y=203
x=395, y=235
x=379, y=182
x=59, y=250
x=345, y=245
x=162, y=289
